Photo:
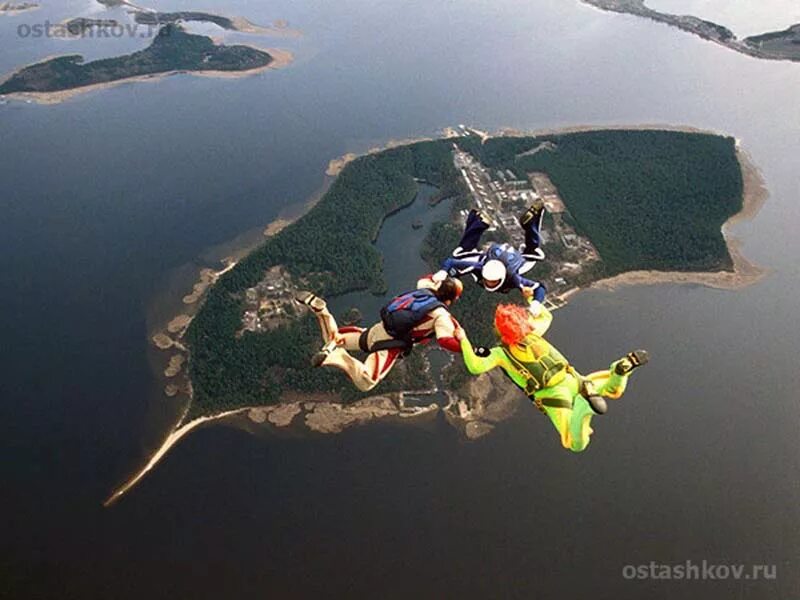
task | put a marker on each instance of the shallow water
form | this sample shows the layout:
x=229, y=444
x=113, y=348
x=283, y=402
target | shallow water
x=104, y=196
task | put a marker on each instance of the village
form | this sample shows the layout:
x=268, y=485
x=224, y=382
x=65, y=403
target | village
x=269, y=303
x=503, y=195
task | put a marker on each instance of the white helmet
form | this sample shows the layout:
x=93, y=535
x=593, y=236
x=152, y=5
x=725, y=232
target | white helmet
x=494, y=274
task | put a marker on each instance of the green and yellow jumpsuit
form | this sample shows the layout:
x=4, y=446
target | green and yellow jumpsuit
x=549, y=380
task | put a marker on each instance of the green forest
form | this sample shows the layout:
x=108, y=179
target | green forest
x=331, y=250
x=647, y=199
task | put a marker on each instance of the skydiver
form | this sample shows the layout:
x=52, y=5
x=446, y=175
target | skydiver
x=500, y=267
x=554, y=386
x=411, y=318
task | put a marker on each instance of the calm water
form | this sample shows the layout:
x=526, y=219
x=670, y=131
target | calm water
x=103, y=197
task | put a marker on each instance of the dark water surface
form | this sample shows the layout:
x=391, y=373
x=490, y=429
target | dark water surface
x=102, y=198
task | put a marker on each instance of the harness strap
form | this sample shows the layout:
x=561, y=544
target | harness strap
x=541, y=403
x=556, y=403
x=363, y=344
x=531, y=385
x=390, y=345
x=362, y=341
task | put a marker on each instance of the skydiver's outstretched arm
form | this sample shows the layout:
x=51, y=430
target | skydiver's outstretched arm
x=444, y=328
x=541, y=321
x=539, y=291
x=478, y=365
x=455, y=267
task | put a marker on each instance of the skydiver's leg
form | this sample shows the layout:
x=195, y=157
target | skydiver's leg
x=531, y=223
x=612, y=383
x=580, y=428
x=364, y=375
x=608, y=384
x=318, y=306
x=476, y=225
x=351, y=337
x=573, y=424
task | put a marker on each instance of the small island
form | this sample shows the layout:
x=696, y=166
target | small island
x=776, y=45
x=10, y=8
x=624, y=206
x=148, y=16
x=173, y=50
x=239, y=24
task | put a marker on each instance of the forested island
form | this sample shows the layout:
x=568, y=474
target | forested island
x=10, y=8
x=776, y=45
x=646, y=199
x=172, y=50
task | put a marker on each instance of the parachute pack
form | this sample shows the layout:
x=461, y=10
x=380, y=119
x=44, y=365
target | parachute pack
x=406, y=311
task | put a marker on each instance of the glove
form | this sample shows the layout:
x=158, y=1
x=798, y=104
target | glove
x=535, y=308
x=439, y=276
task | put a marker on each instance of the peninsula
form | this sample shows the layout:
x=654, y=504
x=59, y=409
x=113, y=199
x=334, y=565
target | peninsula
x=173, y=50
x=776, y=45
x=619, y=202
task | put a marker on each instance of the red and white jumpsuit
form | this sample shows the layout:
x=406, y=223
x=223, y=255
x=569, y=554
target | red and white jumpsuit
x=366, y=374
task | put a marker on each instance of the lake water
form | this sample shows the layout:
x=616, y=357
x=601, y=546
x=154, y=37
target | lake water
x=102, y=198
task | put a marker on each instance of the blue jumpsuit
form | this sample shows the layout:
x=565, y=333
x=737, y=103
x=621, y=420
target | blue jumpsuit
x=467, y=259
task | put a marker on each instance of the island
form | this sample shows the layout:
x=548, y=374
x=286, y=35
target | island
x=173, y=50
x=777, y=45
x=230, y=23
x=9, y=8
x=623, y=206
x=149, y=16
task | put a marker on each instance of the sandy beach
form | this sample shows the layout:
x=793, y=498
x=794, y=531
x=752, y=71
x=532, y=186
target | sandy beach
x=336, y=165
x=513, y=132
x=171, y=440
x=279, y=28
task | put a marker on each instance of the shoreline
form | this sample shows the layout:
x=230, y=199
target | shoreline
x=280, y=59
x=278, y=28
x=514, y=132
x=336, y=165
x=709, y=31
x=334, y=417
x=13, y=12
x=173, y=438
x=318, y=417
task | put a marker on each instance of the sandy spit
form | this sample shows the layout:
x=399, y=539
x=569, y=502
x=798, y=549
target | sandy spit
x=171, y=440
